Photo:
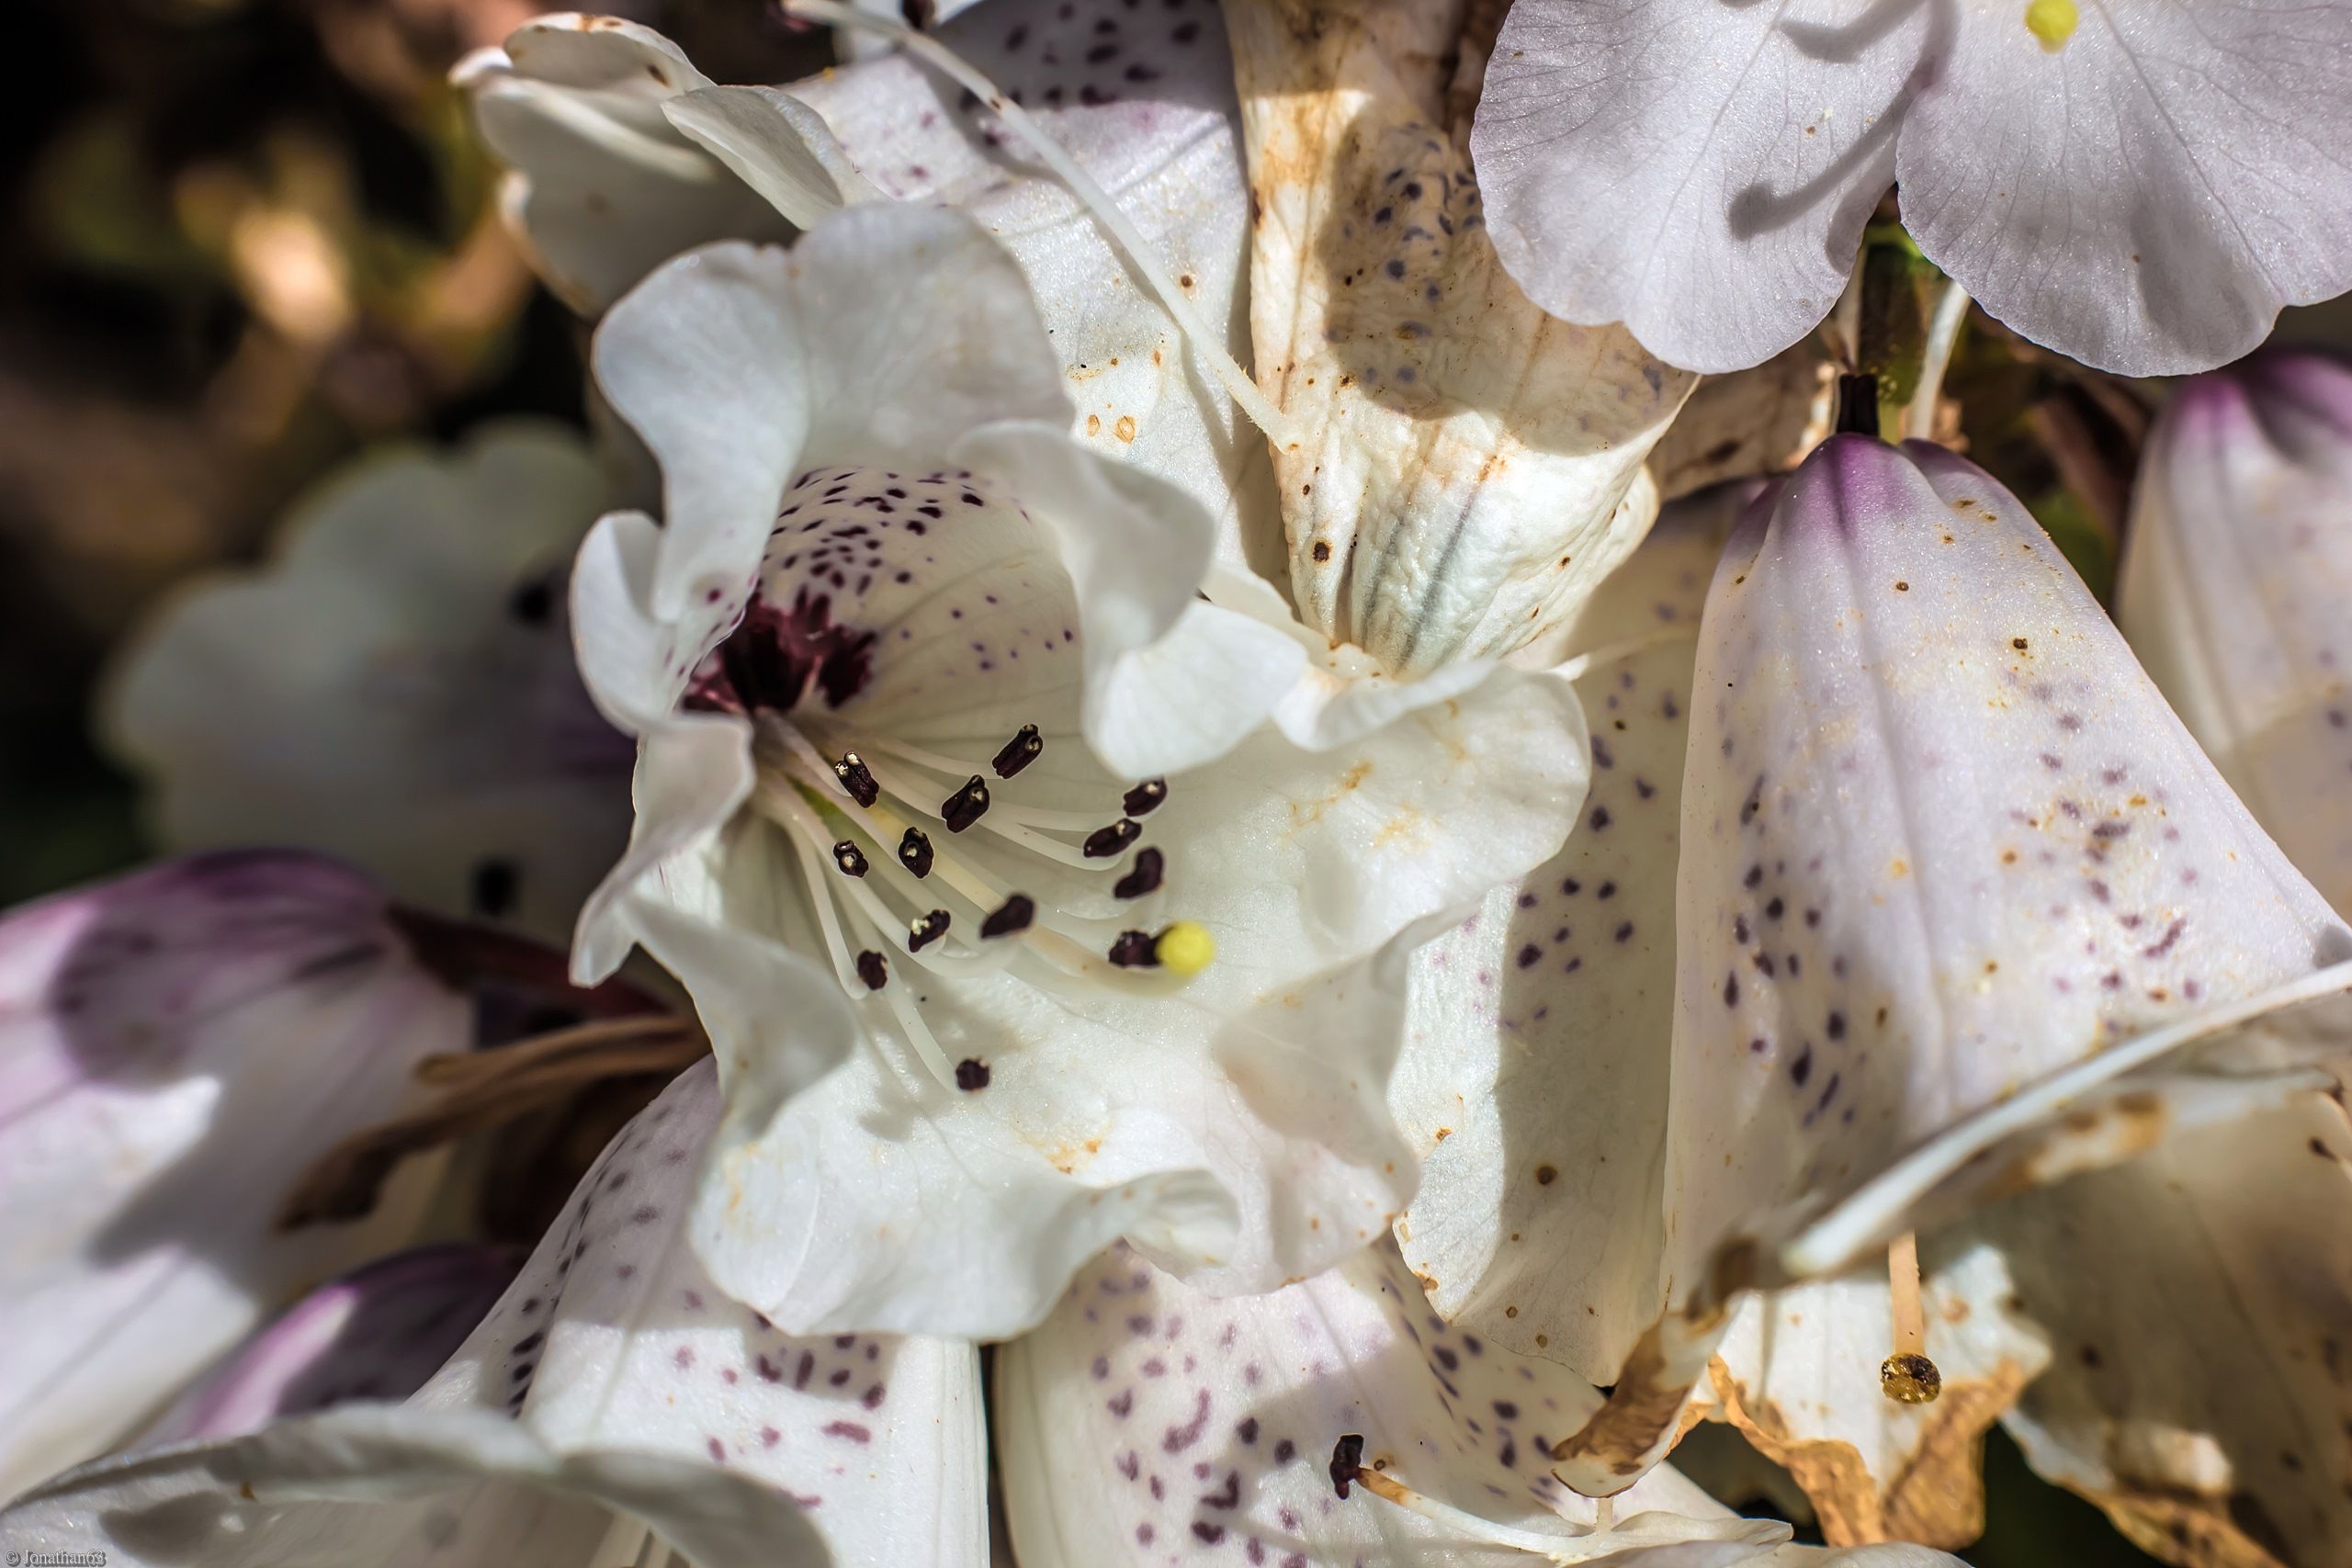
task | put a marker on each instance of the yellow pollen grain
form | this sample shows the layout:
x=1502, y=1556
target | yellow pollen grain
x=2051, y=21
x=1185, y=948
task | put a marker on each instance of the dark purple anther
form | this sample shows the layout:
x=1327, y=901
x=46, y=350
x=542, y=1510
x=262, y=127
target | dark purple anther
x=857, y=778
x=914, y=851
x=1025, y=746
x=1346, y=1461
x=1103, y=843
x=1145, y=877
x=1015, y=916
x=964, y=807
x=922, y=933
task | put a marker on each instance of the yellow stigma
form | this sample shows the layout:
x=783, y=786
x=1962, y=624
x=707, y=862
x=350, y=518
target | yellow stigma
x=1184, y=948
x=2051, y=21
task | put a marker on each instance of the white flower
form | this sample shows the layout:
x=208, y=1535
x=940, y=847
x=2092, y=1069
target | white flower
x=397, y=687
x=1961, y=910
x=2139, y=184
x=615, y=1407
x=896, y=624
x=2236, y=592
x=176, y=1047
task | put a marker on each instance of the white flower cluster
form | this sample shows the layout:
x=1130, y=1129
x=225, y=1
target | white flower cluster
x=1244, y=791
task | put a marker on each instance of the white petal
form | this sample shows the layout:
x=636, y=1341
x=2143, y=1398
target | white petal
x=1535, y=1075
x=1145, y=1418
x=2236, y=592
x=612, y=1373
x=379, y=1333
x=741, y=986
x=1701, y=174
x=692, y=769
x=708, y=362
x=775, y=144
x=1799, y=1375
x=2145, y=198
x=2197, y=1393
x=1137, y=548
x=176, y=1048
x=1196, y=693
x=1463, y=468
x=920, y=329
x=397, y=687
x=602, y=189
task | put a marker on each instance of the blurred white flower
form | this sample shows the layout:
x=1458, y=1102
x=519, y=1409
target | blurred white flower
x=397, y=686
x=2236, y=592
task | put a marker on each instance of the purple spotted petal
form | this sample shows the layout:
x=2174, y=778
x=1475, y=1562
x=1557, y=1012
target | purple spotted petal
x=176, y=1048
x=1941, y=839
x=1145, y=1420
x=612, y=1390
x=2236, y=592
x=378, y=1333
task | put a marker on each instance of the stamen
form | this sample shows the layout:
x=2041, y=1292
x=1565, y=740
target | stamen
x=1025, y=746
x=1145, y=878
x=1207, y=343
x=1348, y=1466
x=1103, y=843
x=1908, y=1377
x=872, y=969
x=924, y=930
x=1013, y=916
x=914, y=851
x=964, y=807
x=971, y=1074
x=857, y=778
x=1145, y=797
x=849, y=857
x=1133, y=950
